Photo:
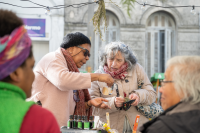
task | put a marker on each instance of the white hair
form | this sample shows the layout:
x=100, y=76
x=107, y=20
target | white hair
x=111, y=50
x=186, y=77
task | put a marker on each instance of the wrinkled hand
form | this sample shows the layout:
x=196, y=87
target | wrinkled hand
x=119, y=101
x=98, y=103
x=106, y=78
x=134, y=97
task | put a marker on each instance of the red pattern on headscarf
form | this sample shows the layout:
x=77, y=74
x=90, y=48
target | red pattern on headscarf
x=83, y=95
x=121, y=73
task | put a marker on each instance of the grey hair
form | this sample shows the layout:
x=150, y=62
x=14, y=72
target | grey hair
x=186, y=77
x=111, y=50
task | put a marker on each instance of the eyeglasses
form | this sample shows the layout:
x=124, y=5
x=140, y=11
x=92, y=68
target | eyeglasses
x=86, y=53
x=164, y=82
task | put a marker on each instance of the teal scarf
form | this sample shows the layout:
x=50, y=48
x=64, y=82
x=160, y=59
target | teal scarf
x=13, y=108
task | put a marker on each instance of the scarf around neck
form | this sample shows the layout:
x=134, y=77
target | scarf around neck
x=80, y=96
x=121, y=73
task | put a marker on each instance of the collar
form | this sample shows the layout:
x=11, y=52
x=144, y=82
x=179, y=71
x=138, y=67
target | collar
x=59, y=50
x=184, y=107
x=60, y=53
x=130, y=73
x=134, y=69
x=12, y=88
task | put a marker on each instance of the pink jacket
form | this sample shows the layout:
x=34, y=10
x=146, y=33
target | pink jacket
x=54, y=85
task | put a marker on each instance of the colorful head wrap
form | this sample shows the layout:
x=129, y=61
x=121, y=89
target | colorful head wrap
x=14, y=50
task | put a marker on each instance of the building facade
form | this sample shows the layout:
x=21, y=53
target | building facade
x=52, y=25
x=154, y=34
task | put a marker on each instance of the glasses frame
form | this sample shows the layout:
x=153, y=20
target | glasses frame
x=163, y=82
x=86, y=53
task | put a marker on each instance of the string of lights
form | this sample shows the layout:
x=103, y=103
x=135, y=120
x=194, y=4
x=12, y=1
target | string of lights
x=48, y=9
x=143, y=6
x=19, y=6
x=53, y=7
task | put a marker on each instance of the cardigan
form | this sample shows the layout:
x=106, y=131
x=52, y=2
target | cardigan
x=54, y=84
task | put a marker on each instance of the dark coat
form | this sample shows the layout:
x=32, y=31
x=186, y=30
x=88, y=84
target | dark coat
x=181, y=118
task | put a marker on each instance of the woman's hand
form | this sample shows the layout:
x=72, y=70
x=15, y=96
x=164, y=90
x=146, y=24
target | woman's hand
x=134, y=97
x=106, y=78
x=102, y=78
x=119, y=101
x=98, y=103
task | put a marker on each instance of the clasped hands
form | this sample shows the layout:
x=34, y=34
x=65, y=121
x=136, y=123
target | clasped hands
x=120, y=100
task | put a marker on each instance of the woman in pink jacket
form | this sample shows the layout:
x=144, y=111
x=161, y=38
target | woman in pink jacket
x=60, y=87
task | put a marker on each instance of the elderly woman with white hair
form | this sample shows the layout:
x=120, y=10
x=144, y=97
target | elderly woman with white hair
x=120, y=62
x=180, y=98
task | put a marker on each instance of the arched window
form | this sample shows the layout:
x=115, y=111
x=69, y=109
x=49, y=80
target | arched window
x=160, y=32
x=111, y=34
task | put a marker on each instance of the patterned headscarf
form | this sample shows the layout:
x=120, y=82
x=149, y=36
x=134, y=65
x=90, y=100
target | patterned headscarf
x=14, y=50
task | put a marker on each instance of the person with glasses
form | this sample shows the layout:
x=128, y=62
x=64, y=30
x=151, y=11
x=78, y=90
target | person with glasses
x=180, y=98
x=117, y=60
x=60, y=87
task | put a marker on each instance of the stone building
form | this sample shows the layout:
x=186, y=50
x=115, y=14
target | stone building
x=53, y=24
x=154, y=34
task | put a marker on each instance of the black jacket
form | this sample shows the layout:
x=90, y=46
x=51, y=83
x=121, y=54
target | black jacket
x=181, y=118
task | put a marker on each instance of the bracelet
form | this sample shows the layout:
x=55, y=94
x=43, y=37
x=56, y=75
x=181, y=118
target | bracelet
x=88, y=105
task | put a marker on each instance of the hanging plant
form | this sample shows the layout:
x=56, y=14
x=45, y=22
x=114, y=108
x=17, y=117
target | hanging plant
x=100, y=17
x=129, y=5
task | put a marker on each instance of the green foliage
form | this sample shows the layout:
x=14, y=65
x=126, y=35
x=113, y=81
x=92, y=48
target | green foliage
x=99, y=15
x=128, y=4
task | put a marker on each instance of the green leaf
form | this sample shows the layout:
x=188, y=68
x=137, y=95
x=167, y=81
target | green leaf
x=99, y=15
x=128, y=5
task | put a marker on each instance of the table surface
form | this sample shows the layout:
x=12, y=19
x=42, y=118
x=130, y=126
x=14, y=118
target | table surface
x=66, y=130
